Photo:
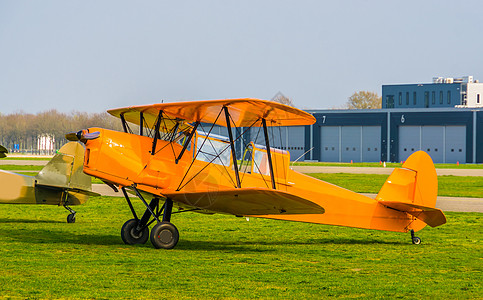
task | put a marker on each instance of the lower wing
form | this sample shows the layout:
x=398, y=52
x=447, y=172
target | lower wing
x=248, y=201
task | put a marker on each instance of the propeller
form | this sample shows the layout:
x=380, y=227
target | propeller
x=82, y=136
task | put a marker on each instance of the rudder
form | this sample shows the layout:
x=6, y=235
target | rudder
x=64, y=173
x=413, y=189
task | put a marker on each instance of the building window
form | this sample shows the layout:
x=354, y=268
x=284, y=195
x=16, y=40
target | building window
x=433, y=97
x=441, y=97
x=390, y=101
x=426, y=99
x=478, y=98
x=400, y=98
x=415, y=98
x=407, y=98
x=449, y=97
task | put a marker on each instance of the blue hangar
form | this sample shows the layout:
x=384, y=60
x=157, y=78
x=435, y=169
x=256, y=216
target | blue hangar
x=443, y=118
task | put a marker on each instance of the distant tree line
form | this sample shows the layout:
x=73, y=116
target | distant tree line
x=24, y=129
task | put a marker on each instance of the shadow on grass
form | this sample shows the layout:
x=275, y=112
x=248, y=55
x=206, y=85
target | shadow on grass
x=254, y=245
x=38, y=236
x=5, y=221
x=41, y=236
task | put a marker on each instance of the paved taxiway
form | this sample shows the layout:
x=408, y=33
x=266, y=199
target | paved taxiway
x=381, y=170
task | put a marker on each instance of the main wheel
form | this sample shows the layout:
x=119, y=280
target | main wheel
x=164, y=235
x=71, y=218
x=131, y=236
x=416, y=240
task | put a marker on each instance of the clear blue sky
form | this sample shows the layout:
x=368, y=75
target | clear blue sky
x=95, y=55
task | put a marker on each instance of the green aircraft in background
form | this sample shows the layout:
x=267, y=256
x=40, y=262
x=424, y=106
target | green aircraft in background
x=3, y=152
x=61, y=182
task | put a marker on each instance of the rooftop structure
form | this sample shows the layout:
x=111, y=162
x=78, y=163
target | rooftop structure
x=442, y=92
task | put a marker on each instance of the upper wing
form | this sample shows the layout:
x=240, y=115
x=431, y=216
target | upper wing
x=248, y=201
x=244, y=112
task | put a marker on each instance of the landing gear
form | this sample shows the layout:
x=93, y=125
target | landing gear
x=131, y=234
x=415, y=239
x=71, y=217
x=164, y=235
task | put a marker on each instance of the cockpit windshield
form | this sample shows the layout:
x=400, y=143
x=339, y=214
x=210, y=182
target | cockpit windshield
x=214, y=151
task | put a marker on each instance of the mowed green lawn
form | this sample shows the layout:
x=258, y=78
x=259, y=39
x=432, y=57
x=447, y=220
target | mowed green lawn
x=227, y=257
x=21, y=167
x=9, y=157
x=450, y=186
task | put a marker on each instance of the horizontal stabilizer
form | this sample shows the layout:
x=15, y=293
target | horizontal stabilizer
x=248, y=201
x=429, y=215
x=67, y=189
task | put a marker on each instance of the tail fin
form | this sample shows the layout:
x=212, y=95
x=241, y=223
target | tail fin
x=65, y=173
x=413, y=189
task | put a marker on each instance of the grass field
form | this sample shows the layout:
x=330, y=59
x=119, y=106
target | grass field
x=227, y=257
x=28, y=158
x=20, y=167
x=450, y=186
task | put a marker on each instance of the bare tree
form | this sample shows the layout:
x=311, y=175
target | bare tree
x=364, y=100
x=281, y=98
x=24, y=129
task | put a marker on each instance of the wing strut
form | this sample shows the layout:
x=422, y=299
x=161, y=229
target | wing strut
x=187, y=142
x=124, y=124
x=141, y=123
x=265, y=132
x=174, y=131
x=156, y=131
x=232, y=145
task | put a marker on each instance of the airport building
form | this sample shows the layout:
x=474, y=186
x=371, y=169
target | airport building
x=443, y=118
x=448, y=135
x=442, y=92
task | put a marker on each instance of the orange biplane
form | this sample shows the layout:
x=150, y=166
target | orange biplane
x=175, y=158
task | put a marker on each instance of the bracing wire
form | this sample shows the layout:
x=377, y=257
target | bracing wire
x=216, y=157
x=196, y=155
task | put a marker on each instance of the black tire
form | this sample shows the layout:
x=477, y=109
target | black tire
x=130, y=236
x=164, y=236
x=71, y=218
x=416, y=240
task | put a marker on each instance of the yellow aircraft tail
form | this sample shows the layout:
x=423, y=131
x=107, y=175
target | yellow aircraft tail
x=413, y=189
x=63, y=178
x=60, y=182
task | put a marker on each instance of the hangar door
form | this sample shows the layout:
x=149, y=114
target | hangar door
x=445, y=144
x=346, y=143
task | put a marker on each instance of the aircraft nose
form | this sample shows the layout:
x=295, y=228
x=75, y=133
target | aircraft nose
x=82, y=135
